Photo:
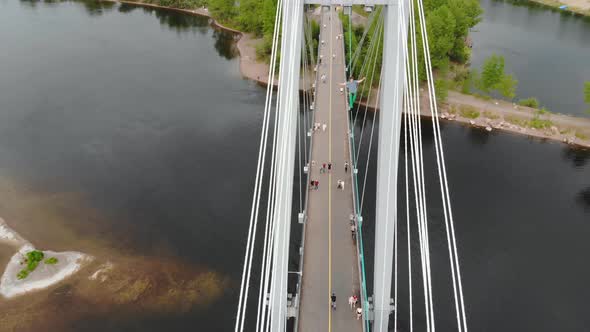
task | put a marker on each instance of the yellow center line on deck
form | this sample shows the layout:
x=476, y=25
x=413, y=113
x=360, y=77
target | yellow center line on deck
x=330, y=175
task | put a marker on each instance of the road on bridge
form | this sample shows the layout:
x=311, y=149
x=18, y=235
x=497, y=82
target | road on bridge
x=330, y=263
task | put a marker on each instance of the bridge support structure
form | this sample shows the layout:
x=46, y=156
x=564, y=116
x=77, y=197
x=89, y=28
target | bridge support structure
x=393, y=78
x=288, y=102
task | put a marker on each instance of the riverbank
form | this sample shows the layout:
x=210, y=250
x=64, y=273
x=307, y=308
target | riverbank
x=491, y=114
x=581, y=7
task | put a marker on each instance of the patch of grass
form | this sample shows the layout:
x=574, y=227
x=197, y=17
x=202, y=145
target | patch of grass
x=539, y=123
x=516, y=120
x=542, y=111
x=491, y=115
x=32, y=265
x=51, y=261
x=468, y=112
x=452, y=110
x=565, y=131
x=581, y=135
x=529, y=102
x=22, y=274
x=32, y=259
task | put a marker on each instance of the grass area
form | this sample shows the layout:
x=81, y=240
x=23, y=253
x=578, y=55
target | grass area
x=452, y=109
x=539, y=123
x=51, y=261
x=491, y=115
x=22, y=274
x=581, y=135
x=32, y=259
x=529, y=102
x=516, y=120
x=468, y=112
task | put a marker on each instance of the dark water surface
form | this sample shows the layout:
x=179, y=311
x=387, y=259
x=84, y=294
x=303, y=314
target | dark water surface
x=144, y=113
x=521, y=209
x=548, y=51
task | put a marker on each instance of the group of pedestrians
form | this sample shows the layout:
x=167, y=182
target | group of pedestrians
x=352, y=301
x=314, y=184
x=327, y=168
x=317, y=126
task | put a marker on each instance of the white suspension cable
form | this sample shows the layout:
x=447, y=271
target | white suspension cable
x=240, y=316
x=408, y=207
x=377, y=49
x=451, y=240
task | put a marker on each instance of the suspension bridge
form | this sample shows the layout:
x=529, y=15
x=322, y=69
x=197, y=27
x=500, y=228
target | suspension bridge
x=309, y=127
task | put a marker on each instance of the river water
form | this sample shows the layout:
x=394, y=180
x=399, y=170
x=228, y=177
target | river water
x=143, y=117
x=547, y=50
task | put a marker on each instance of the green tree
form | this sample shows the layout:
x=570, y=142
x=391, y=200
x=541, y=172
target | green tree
x=467, y=14
x=441, y=35
x=507, y=86
x=493, y=77
x=223, y=10
x=491, y=73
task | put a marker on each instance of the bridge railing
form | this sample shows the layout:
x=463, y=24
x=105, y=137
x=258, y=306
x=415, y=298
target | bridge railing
x=307, y=188
x=356, y=208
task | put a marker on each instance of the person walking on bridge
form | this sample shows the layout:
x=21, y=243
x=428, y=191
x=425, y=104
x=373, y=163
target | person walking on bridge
x=333, y=298
x=352, y=86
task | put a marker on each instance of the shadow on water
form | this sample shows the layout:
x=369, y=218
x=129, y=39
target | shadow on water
x=224, y=44
x=584, y=198
x=176, y=21
x=93, y=7
x=478, y=137
x=579, y=158
x=181, y=22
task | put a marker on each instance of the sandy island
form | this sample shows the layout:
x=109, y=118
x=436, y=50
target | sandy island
x=45, y=275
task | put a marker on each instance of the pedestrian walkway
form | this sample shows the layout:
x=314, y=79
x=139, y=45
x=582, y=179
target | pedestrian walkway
x=330, y=263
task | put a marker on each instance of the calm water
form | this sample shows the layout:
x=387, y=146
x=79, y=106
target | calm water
x=548, y=51
x=144, y=114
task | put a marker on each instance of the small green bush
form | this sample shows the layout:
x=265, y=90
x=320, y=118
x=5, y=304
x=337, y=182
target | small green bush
x=51, y=261
x=32, y=265
x=32, y=259
x=469, y=112
x=538, y=123
x=35, y=255
x=22, y=274
x=529, y=102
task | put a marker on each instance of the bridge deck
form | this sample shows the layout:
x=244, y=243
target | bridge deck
x=330, y=263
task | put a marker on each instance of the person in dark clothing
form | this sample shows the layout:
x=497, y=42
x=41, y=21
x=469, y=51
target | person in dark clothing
x=333, y=297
